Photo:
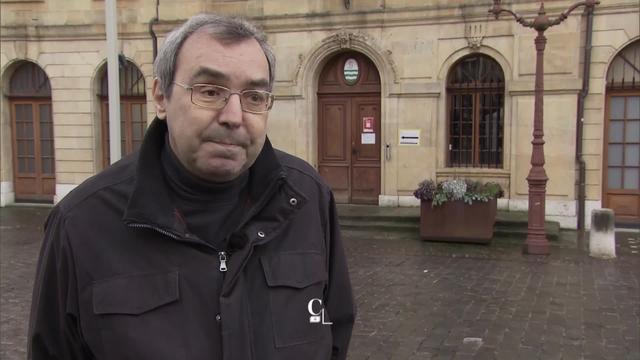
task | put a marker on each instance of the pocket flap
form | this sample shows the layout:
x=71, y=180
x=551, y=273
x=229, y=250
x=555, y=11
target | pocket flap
x=135, y=294
x=294, y=269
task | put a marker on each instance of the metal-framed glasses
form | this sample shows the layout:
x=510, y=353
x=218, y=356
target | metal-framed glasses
x=216, y=97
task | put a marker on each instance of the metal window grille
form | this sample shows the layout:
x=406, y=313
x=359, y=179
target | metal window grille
x=624, y=71
x=29, y=80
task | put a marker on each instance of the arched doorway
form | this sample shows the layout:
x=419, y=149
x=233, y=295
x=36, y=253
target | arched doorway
x=32, y=134
x=621, y=182
x=349, y=128
x=475, y=97
x=133, y=110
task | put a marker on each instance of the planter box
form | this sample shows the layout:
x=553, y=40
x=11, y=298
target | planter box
x=457, y=221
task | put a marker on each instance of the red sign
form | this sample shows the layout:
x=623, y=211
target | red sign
x=367, y=124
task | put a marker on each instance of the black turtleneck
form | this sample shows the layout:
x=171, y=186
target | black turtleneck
x=204, y=206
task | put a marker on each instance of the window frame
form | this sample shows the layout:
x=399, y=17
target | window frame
x=476, y=89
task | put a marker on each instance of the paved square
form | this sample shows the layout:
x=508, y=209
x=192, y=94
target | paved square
x=419, y=300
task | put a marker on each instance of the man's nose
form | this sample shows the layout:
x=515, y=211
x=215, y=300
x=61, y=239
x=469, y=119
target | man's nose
x=231, y=113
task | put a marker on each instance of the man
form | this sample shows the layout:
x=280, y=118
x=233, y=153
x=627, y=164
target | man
x=207, y=243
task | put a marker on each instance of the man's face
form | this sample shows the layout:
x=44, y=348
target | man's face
x=216, y=145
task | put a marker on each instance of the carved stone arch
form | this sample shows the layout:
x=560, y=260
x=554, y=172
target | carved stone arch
x=311, y=65
x=486, y=50
x=307, y=77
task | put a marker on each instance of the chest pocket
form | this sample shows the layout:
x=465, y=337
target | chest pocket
x=295, y=279
x=139, y=316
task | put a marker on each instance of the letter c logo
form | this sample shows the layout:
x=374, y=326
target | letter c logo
x=310, y=306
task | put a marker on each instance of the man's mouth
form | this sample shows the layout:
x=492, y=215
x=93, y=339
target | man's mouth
x=225, y=143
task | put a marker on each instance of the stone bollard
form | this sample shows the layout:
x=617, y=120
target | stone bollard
x=602, y=236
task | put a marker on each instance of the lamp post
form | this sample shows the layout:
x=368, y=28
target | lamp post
x=537, y=242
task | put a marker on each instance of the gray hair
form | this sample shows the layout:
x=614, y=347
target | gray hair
x=223, y=28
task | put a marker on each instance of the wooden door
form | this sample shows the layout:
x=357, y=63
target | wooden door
x=334, y=142
x=365, y=150
x=349, y=129
x=33, y=150
x=622, y=156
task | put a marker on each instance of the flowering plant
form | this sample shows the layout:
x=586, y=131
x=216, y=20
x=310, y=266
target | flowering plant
x=457, y=189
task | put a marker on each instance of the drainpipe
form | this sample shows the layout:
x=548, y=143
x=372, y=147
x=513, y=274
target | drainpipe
x=154, y=38
x=580, y=121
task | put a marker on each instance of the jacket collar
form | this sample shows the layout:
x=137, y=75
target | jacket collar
x=150, y=202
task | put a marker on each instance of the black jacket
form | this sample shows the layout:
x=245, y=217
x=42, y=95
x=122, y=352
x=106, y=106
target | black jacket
x=120, y=277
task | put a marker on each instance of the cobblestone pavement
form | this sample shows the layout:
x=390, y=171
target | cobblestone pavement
x=20, y=238
x=442, y=301
x=423, y=300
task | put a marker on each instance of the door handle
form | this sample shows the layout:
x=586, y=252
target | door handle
x=387, y=151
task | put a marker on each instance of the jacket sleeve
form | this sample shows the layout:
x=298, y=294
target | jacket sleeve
x=54, y=326
x=339, y=297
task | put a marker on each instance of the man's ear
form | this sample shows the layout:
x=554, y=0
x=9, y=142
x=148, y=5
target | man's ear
x=159, y=99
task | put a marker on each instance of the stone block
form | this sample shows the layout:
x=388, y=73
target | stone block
x=72, y=119
x=72, y=107
x=592, y=132
x=282, y=130
x=74, y=142
x=64, y=58
x=602, y=241
x=387, y=201
x=68, y=166
x=558, y=57
x=62, y=131
x=55, y=71
x=593, y=162
x=71, y=95
x=79, y=83
x=75, y=46
x=74, y=154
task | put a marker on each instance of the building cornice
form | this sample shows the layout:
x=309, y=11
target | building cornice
x=373, y=19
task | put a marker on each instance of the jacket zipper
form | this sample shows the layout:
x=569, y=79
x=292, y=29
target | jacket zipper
x=223, y=261
x=222, y=255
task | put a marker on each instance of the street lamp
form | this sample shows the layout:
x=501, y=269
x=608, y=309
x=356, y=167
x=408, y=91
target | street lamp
x=537, y=242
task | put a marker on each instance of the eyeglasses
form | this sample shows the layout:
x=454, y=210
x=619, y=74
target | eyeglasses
x=216, y=97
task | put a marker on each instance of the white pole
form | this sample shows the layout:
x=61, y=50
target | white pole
x=111, y=23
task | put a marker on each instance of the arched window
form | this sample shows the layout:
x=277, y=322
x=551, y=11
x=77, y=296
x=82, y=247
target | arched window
x=475, y=89
x=621, y=175
x=133, y=110
x=32, y=134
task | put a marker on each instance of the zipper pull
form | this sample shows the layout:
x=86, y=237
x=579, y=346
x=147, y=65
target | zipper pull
x=223, y=261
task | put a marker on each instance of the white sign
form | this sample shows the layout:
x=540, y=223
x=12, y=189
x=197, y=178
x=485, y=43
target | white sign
x=351, y=71
x=368, y=138
x=409, y=137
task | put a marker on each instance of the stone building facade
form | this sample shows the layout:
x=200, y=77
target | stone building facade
x=376, y=94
